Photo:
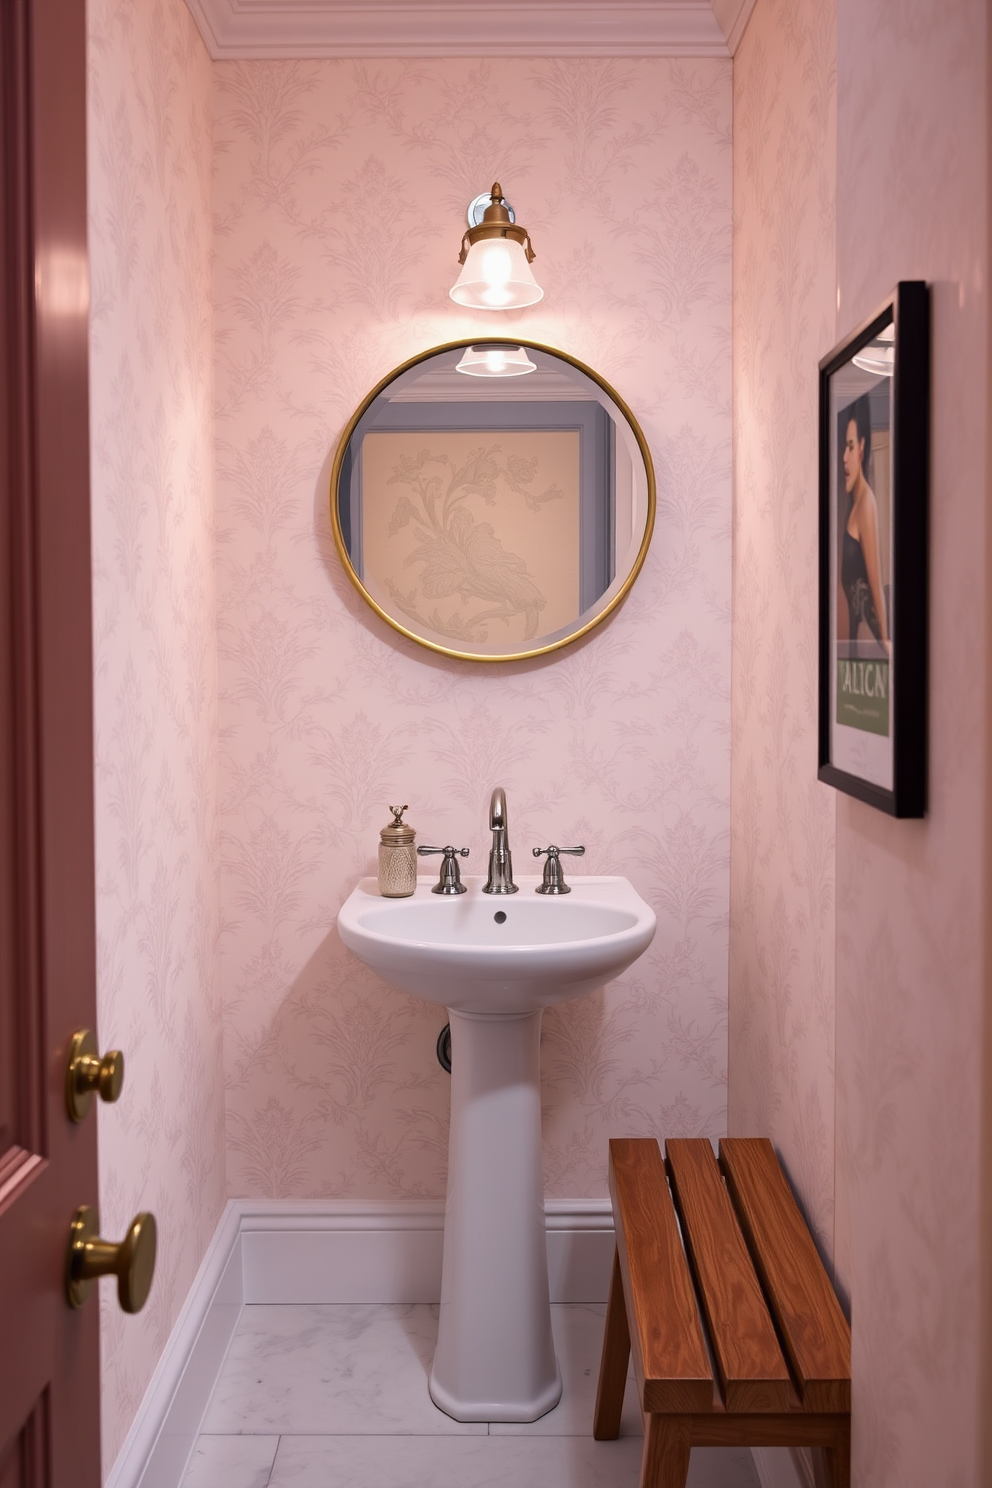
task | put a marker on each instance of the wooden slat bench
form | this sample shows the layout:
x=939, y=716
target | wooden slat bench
x=737, y=1336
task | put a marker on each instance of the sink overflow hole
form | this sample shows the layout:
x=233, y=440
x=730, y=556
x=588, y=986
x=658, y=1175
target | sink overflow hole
x=500, y=917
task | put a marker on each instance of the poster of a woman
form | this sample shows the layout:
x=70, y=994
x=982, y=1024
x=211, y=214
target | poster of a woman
x=861, y=564
x=862, y=547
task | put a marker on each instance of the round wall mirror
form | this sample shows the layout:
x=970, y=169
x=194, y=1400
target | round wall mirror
x=493, y=500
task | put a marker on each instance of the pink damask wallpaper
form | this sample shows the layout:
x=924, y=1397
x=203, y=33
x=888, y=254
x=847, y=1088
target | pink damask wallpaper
x=912, y=897
x=151, y=376
x=340, y=193
x=782, y=855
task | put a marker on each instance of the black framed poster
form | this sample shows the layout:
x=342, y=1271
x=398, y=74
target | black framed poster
x=874, y=458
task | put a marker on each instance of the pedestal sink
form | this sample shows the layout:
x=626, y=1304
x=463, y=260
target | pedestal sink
x=495, y=963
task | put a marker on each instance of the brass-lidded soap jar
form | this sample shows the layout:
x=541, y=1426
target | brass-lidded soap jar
x=397, y=857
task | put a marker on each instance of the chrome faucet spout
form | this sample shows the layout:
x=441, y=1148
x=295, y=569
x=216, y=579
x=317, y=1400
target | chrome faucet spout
x=500, y=880
x=497, y=810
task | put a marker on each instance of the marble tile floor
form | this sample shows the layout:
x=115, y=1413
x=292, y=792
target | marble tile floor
x=336, y=1397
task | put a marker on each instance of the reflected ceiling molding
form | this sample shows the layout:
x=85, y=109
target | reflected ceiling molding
x=233, y=29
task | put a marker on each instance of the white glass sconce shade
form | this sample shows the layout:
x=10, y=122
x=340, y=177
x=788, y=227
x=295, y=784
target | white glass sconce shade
x=879, y=356
x=496, y=276
x=496, y=361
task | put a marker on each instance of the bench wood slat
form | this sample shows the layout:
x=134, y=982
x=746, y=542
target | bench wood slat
x=665, y=1332
x=813, y=1328
x=753, y=1374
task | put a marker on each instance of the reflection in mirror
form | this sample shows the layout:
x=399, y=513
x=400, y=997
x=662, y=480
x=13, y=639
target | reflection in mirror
x=498, y=514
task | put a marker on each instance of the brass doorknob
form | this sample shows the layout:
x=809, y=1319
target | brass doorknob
x=132, y=1261
x=88, y=1075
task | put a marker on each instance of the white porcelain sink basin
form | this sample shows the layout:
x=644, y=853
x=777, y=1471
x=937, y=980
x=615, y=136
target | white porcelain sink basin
x=490, y=953
x=496, y=962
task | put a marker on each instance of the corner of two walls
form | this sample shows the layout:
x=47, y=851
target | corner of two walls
x=340, y=194
x=151, y=381
x=781, y=1061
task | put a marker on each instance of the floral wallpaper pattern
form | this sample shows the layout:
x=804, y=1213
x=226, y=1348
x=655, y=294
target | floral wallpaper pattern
x=340, y=192
x=151, y=375
x=473, y=551
x=912, y=165
x=782, y=858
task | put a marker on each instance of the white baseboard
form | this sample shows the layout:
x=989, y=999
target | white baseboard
x=391, y=1252
x=783, y=1467
x=341, y=1251
x=167, y=1423
x=320, y=1251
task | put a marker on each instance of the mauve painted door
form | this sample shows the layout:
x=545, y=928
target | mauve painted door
x=49, y=1354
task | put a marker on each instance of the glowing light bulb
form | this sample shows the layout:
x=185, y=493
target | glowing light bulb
x=496, y=269
x=496, y=265
x=496, y=362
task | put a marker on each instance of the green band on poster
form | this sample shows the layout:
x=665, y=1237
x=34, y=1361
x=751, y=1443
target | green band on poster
x=863, y=695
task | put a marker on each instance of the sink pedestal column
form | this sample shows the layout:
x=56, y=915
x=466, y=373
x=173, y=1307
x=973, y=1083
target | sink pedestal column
x=495, y=1358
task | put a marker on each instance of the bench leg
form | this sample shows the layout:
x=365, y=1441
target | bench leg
x=833, y=1469
x=665, y=1461
x=613, y=1366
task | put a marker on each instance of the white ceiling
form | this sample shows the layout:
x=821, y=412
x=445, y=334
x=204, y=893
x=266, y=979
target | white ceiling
x=471, y=28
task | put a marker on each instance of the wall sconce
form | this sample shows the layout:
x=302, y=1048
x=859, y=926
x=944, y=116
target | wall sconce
x=496, y=361
x=496, y=257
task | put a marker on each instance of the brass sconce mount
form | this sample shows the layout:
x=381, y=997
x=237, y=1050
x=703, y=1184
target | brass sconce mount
x=497, y=222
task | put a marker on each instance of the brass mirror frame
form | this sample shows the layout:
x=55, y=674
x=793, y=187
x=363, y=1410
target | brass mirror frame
x=367, y=402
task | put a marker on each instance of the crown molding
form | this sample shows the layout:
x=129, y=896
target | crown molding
x=732, y=17
x=470, y=28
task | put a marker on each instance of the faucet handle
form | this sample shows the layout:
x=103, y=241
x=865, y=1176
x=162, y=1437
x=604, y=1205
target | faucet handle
x=554, y=878
x=450, y=881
